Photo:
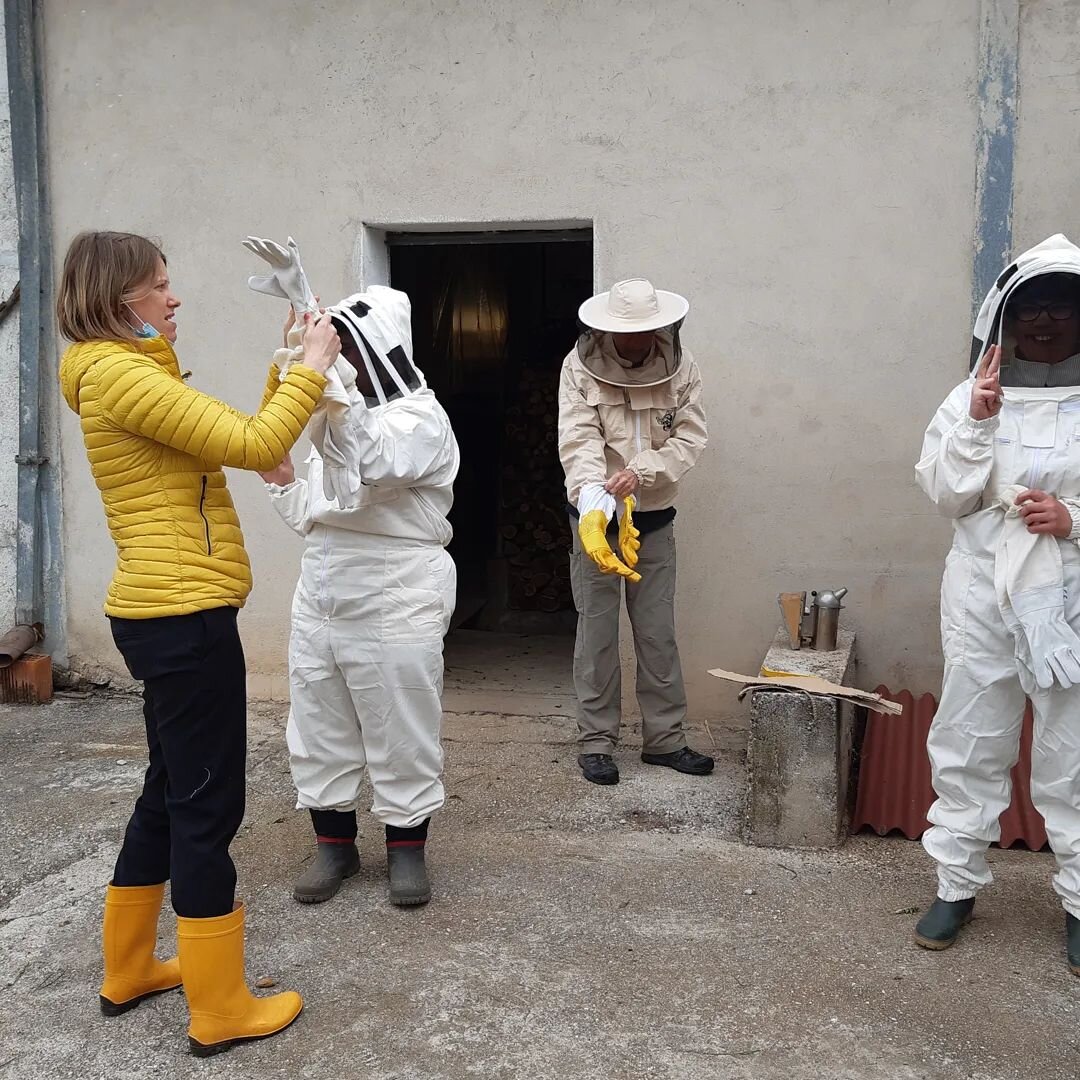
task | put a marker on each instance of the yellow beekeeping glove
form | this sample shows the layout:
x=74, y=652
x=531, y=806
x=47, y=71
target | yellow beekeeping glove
x=593, y=532
x=629, y=544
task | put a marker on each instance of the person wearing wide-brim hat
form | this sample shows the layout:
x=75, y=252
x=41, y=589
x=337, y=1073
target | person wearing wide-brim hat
x=631, y=424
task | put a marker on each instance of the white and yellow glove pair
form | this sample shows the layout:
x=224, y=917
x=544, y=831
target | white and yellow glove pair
x=596, y=508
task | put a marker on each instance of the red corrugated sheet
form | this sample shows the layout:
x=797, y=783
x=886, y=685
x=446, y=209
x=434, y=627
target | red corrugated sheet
x=894, y=789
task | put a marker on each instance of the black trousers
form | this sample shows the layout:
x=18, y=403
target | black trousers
x=192, y=802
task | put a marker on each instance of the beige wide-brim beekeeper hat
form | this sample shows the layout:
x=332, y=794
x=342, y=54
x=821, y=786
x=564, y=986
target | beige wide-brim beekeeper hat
x=632, y=307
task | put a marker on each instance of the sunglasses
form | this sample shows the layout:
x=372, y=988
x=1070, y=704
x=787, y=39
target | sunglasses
x=1030, y=310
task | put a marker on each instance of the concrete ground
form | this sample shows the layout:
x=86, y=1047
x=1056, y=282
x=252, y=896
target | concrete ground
x=576, y=931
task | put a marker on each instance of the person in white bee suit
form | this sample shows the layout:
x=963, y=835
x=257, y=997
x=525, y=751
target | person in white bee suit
x=375, y=595
x=1002, y=459
x=631, y=425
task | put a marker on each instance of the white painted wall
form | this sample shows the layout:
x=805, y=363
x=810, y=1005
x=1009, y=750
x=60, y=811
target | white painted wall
x=803, y=171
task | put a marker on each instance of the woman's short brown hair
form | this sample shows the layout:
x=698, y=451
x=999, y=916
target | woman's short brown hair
x=100, y=271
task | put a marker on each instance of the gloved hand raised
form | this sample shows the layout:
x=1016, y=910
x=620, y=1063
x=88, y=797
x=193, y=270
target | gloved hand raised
x=287, y=278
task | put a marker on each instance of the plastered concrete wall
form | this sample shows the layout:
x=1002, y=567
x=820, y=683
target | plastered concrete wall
x=9, y=358
x=1047, y=198
x=803, y=171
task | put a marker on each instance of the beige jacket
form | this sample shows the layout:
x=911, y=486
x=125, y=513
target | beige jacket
x=649, y=420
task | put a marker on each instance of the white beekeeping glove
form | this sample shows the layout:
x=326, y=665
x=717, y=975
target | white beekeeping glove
x=1029, y=581
x=287, y=280
x=1053, y=649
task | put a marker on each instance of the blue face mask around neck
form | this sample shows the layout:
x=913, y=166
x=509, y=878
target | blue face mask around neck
x=146, y=330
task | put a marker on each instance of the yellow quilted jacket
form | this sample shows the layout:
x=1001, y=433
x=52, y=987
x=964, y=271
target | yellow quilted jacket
x=157, y=448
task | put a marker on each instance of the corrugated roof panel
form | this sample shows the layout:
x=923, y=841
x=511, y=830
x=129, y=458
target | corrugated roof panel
x=894, y=790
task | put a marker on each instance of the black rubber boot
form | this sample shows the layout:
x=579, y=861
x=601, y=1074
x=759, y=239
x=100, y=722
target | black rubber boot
x=599, y=768
x=684, y=760
x=942, y=924
x=409, y=882
x=1072, y=942
x=334, y=861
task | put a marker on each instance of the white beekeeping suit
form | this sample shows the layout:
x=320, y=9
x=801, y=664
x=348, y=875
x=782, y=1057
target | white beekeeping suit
x=1010, y=599
x=376, y=588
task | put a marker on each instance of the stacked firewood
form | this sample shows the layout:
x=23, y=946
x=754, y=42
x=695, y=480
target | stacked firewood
x=534, y=532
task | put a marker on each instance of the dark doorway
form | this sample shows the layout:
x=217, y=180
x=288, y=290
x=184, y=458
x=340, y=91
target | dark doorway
x=494, y=315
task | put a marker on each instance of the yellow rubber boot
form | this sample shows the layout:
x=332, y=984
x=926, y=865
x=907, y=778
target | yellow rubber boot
x=223, y=1010
x=129, y=935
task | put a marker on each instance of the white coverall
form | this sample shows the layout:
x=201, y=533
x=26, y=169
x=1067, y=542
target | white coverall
x=965, y=469
x=376, y=588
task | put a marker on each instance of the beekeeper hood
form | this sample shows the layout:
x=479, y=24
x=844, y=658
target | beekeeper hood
x=632, y=307
x=1031, y=309
x=375, y=328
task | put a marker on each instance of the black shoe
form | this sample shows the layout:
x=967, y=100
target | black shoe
x=322, y=879
x=684, y=760
x=942, y=924
x=599, y=768
x=409, y=883
x=1072, y=942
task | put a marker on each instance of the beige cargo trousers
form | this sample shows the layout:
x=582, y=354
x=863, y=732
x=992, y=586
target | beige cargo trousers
x=650, y=603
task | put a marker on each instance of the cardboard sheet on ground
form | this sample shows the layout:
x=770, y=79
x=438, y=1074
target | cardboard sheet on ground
x=808, y=684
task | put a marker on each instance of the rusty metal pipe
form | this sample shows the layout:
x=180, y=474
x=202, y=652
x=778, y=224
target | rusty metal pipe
x=17, y=641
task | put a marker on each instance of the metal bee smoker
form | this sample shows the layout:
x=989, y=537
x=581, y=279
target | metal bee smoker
x=812, y=620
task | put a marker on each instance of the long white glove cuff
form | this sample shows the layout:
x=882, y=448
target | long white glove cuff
x=1044, y=598
x=1053, y=646
x=339, y=378
x=595, y=497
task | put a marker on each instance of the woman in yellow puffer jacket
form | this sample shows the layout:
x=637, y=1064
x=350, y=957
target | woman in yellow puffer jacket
x=157, y=448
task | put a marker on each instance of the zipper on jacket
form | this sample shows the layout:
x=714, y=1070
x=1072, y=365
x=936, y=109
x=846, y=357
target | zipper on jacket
x=637, y=429
x=202, y=514
x=1033, y=472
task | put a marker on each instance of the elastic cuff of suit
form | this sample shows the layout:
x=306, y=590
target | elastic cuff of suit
x=1073, y=506
x=412, y=837
x=334, y=826
x=952, y=893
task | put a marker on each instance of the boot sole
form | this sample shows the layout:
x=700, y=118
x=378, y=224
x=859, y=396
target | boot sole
x=602, y=781
x=934, y=946
x=410, y=901
x=940, y=946
x=328, y=893
x=648, y=759
x=113, y=1008
x=205, y=1050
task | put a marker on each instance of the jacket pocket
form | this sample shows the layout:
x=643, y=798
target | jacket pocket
x=597, y=394
x=614, y=412
x=202, y=514
x=955, y=587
